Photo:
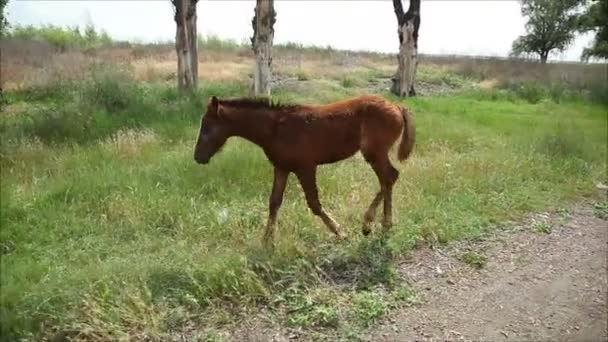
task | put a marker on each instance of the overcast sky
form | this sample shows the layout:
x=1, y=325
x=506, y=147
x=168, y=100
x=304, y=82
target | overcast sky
x=480, y=27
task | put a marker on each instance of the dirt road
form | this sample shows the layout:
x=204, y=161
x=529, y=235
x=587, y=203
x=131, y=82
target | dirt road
x=536, y=286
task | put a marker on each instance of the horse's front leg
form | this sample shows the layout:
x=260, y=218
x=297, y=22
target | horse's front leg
x=308, y=180
x=275, y=201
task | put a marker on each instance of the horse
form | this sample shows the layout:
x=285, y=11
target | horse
x=298, y=138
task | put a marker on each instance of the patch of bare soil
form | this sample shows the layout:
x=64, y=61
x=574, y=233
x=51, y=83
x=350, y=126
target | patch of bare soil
x=536, y=286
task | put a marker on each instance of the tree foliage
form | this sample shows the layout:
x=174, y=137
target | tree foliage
x=3, y=15
x=551, y=26
x=595, y=19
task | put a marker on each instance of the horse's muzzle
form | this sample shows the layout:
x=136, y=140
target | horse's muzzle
x=201, y=160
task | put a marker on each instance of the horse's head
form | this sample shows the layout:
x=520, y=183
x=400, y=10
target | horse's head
x=212, y=134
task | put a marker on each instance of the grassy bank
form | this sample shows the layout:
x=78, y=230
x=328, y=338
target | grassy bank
x=109, y=229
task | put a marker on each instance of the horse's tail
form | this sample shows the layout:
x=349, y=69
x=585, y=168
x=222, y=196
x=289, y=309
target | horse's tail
x=409, y=134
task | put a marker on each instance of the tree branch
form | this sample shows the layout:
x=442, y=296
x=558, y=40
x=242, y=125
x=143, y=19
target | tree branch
x=399, y=11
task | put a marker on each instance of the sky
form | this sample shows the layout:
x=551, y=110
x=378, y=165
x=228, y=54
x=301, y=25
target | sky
x=481, y=27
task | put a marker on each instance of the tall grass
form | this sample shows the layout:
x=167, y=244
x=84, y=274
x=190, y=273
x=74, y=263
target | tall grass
x=110, y=231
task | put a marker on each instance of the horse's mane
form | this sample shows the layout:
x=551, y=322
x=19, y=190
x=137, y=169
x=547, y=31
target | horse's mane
x=257, y=103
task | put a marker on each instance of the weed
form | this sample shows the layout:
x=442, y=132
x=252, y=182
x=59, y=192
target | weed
x=405, y=295
x=542, y=228
x=600, y=210
x=310, y=308
x=368, y=306
x=474, y=259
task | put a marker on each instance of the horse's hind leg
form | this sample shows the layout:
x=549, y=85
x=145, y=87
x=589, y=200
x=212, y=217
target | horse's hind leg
x=308, y=181
x=391, y=178
x=370, y=214
x=387, y=176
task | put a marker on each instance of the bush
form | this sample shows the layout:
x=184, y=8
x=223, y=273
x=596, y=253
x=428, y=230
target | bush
x=348, y=82
x=213, y=42
x=562, y=142
x=532, y=92
x=59, y=124
x=62, y=37
x=111, y=88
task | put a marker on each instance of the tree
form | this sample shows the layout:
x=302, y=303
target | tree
x=551, y=26
x=186, y=44
x=408, y=24
x=263, y=33
x=3, y=15
x=595, y=19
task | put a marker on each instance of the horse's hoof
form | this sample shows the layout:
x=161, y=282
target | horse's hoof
x=366, y=230
x=387, y=226
x=268, y=243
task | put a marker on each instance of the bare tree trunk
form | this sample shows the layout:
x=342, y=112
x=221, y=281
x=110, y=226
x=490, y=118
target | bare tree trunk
x=543, y=57
x=186, y=44
x=408, y=25
x=263, y=34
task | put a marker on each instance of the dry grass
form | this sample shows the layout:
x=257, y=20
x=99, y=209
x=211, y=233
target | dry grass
x=128, y=143
x=26, y=63
x=505, y=70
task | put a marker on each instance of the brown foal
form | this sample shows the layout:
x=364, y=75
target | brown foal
x=298, y=138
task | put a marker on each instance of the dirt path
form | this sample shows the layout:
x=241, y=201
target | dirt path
x=534, y=287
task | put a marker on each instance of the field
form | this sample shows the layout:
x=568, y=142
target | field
x=110, y=231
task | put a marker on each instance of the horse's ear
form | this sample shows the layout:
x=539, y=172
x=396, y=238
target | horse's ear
x=219, y=111
x=212, y=105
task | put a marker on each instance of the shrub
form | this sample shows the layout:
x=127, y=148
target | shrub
x=59, y=124
x=348, y=82
x=562, y=142
x=213, y=42
x=111, y=88
x=302, y=75
x=62, y=37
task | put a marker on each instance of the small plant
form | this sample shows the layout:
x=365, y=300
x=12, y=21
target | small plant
x=542, y=228
x=405, y=295
x=475, y=259
x=368, y=306
x=600, y=210
x=318, y=316
x=311, y=309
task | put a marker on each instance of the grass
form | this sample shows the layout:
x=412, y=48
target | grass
x=110, y=230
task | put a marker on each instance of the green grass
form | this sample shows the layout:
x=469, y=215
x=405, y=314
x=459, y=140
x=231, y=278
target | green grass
x=110, y=229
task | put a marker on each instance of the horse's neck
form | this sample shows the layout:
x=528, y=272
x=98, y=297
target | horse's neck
x=253, y=126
